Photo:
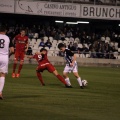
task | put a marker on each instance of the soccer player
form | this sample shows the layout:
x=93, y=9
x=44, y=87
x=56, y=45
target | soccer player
x=4, y=54
x=21, y=46
x=44, y=64
x=71, y=64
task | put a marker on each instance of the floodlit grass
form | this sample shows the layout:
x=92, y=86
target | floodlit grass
x=26, y=99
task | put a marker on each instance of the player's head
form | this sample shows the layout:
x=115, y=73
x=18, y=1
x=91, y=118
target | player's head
x=43, y=50
x=3, y=29
x=62, y=47
x=22, y=32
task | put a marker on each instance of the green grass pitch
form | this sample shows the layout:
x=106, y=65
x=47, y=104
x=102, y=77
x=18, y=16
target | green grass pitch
x=26, y=99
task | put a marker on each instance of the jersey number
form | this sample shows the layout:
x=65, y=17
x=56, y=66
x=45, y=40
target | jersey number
x=40, y=57
x=2, y=41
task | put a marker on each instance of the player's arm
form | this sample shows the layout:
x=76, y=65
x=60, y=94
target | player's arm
x=11, y=48
x=26, y=46
x=14, y=40
x=32, y=56
x=74, y=59
x=41, y=53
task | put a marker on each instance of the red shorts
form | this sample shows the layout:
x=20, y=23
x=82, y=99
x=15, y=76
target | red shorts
x=46, y=66
x=19, y=55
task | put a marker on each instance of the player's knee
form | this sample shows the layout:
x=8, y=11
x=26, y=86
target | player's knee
x=55, y=72
x=15, y=60
x=21, y=62
x=2, y=74
x=37, y=70
x=64, y=75
x=76, y=75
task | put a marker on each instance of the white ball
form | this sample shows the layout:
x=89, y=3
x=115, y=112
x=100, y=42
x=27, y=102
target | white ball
x=84, y=82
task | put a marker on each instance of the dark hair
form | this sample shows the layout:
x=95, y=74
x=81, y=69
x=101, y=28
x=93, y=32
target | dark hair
x=2, y=28
x=43, y=49
x=60, y=45
x=22, y=30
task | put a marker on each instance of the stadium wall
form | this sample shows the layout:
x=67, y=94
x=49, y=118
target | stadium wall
x=60, y=9
x=56, y=60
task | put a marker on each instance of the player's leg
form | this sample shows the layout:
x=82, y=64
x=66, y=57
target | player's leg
x=65, y=74
x=3, y=71
x=78, y=78
x=2, y=82
x=38, y=69
x=12, y=51
x=15, y=63
x=52, y=69
x=75, y=72
x=20, y=68
x=59, y=77
x=21, y=64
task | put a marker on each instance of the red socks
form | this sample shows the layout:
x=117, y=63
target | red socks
x=40, y=78
x=19, y=69
x=14, y=67
x=61, y=79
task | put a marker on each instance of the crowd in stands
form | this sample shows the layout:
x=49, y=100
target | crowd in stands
x=98, y=45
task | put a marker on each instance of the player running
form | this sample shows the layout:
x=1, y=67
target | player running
x=4, y=54
x=44, y=64
x=71, y=64
x=21, y=46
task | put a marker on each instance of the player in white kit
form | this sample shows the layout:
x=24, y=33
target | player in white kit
x=4, y=54
x=71, y=65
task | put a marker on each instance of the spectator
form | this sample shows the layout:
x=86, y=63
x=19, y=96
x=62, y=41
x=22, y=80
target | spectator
x=48, y=44
x=75, y=46
x=62, y=36
x=113, y=49
x=69, y=34
x=42, y=44
x=70, y=46
x=29, y=52
x=30, y=34
x=83, y=37
x=72, y=39
x=85, y=50
x=57, y=36
x=42, y=33
x=93, y=53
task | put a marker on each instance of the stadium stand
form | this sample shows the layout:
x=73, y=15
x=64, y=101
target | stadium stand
x=89, y=45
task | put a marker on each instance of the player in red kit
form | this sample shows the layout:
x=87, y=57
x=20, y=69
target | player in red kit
x=21, y=46
x=44, y=64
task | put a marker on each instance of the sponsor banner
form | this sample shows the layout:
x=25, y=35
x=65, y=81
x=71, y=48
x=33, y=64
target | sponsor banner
x=100, y=12
x=48, y=8
x=7, y=6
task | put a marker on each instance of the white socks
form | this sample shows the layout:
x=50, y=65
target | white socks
x=2, y=82
x=79, y=81
x=69, y=84
x=68, y=81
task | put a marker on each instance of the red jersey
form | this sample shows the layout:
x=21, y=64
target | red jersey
x=41, y=58
x=21, y=42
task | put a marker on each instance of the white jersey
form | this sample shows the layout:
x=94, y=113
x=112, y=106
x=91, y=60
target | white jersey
x=4, y=44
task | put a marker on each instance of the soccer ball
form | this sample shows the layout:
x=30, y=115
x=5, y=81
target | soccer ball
x=84, y=82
